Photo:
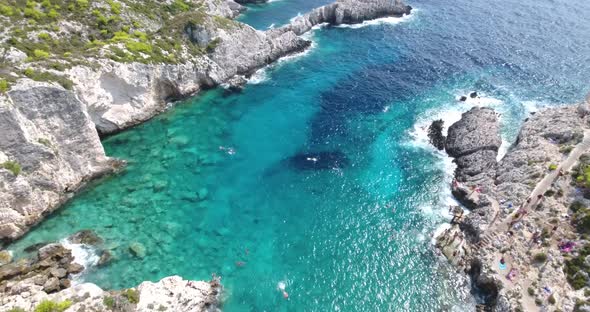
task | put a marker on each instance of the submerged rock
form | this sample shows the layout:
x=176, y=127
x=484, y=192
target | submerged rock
x=137, y=249
x=105, y=258
x=87, y=237
x=35, y=247
x=319, y=161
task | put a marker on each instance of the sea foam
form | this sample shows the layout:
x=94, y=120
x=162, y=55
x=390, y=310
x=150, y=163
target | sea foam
x=84, y=255
x=380, y=21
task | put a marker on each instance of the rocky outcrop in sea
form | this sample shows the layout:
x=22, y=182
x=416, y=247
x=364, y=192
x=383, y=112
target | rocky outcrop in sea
x=519, y=207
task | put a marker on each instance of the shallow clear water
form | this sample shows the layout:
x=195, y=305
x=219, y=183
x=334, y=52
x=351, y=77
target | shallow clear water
x=209, y=183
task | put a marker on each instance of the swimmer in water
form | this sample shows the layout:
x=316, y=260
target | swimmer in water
x=281, y=286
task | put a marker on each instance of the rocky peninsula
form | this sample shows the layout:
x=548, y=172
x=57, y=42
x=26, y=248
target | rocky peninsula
x=523, y=240
x=71, y=72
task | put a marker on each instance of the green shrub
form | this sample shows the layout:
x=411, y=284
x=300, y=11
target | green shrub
x=179, y=6
x=538, y=302
x=551, y=299
x=82, y=3
x=540, y=257
x=552, y=167
x=573, y=267
x=134, y=46
x=52, y=306
x=120, y=36
x=40, y=54
x=549, y=193
x=109, y=302
x=115, y=7
x=34, y=14
x=6, y=10
x=44, y=36
x=132, y=295
x=140, y=35
x=17, y=310
x=29, y=72
x=566, y=149
x=12, y=166
x=49, y=77
x=531, y=291
x=576, y=206
x=3, y=85
x=53, y=14
x=44, y=141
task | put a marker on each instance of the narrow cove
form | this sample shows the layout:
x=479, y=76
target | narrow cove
x=210, y=189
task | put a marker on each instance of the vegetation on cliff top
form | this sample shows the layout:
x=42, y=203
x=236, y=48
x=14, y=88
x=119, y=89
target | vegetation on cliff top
x=58, y=34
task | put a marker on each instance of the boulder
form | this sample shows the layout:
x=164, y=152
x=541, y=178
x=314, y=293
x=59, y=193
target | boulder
x=87, y=237
x=53, y=250
x=5, y=257
x=435, y=135
x=477, y=130
x=51, y=285
x=40, y=279
x=463, y=98
x=473, y=95
x=203, y=193
x=58, y=272
x=105, y=258
x=137, y=249
x=75, y=268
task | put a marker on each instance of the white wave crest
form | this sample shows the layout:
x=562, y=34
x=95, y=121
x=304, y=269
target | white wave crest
x=258, y=77
x=84, y=255
x=379, y=21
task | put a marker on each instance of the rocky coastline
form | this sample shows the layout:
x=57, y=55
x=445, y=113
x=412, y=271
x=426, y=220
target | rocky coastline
x=51, y=124
x=52, y=134
x=49, y=279
x=520, y=216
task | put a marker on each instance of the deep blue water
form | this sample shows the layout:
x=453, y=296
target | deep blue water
x=213, y=182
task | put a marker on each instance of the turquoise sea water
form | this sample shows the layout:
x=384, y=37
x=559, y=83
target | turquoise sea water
x=210, y=187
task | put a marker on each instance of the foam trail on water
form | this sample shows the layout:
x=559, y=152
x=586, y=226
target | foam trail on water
x=259, y=76
x=83, y=254
x=380, y=21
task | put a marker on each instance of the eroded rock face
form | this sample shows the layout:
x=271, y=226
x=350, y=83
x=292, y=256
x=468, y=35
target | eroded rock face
x=26, y=283
x=346, y=12
x=543, y=140
x=435, y=134
x=176, y=294
x=474, y=142
x=48, y=133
